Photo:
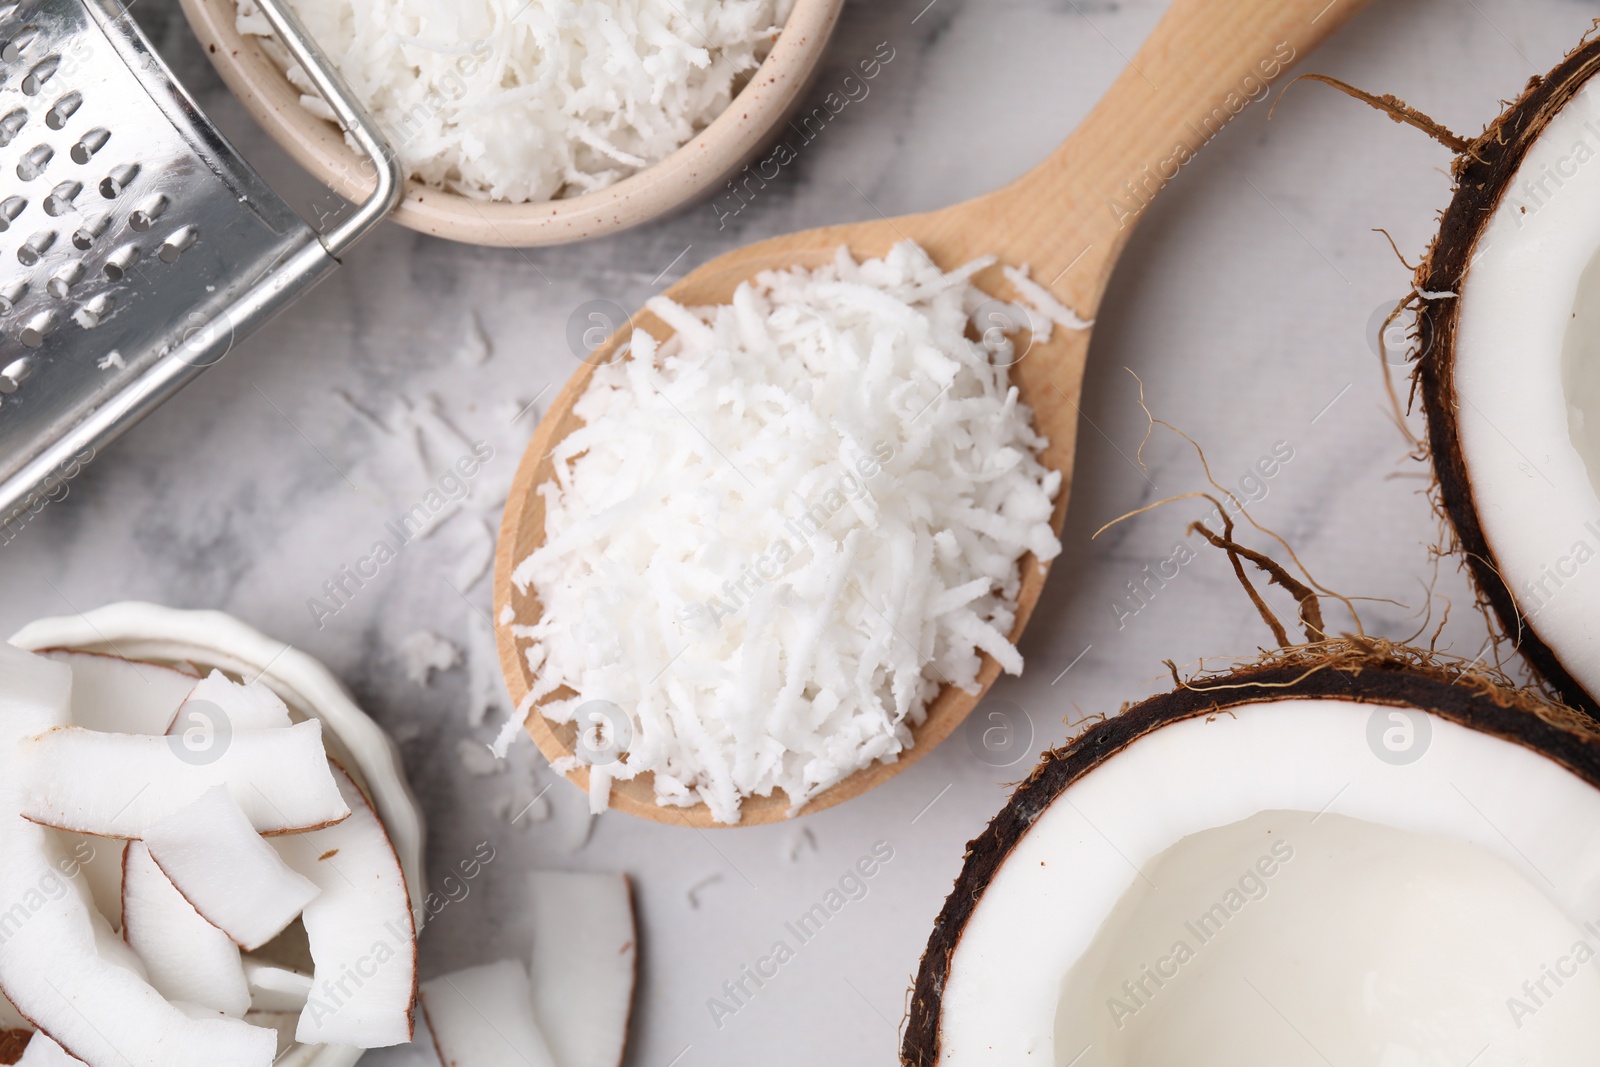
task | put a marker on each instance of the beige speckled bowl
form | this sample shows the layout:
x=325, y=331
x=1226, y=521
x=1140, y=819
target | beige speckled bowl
x=209, y=639
x=731, y=140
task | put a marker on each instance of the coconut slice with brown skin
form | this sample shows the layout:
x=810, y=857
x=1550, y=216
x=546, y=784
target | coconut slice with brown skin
x=483, y=1017
x=1508, y=369
x=58, y=961
x=227, y=871
x=110, y=693
x=117, y=695
x=1349, y=846
x=585, y=955
x=361, y=928
x=218, y=703
x=119, y=785
x=187, y=958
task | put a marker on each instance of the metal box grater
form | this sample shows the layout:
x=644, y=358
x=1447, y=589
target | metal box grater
x=136, y=246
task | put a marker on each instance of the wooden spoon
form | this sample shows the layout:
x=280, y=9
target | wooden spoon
x=1068, y=219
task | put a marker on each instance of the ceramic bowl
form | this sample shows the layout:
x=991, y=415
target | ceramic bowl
x=208, y=639
x=730, y=141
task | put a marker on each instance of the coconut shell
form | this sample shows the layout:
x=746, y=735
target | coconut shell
x=1365, y=673
x=1483, y=174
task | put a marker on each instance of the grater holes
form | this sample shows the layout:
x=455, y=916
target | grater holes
x=59, y=202
x=63, y=109
x=122, y=176
x=35, y=248
x=89, y=144
x=94, y=312
x=120, y=262
x=145, y=215
x=15, y=373
x=178, y=244
x=11, y=296
x=33, y=164
x=61, y=283
x=11, y=125
x=10, y=208
x=41, y=73
x=39, y=327
x=85, y=236
x=12, y=50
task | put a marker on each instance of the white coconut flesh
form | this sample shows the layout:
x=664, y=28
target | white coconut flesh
x=483, y=1017
x=58, y=965
x=43, y=1052
x=275, y=989
x=583, y=966
x=223, y=764
x=1527, y=384
x=116, y=695
x=360, y=926
x=119, y=785
x=239, y=706
x=1272, y=891
x=227, y=871
x=187, y=958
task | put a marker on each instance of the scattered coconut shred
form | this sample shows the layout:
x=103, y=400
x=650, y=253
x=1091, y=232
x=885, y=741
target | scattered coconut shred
x=527, y=100
x=779, y=533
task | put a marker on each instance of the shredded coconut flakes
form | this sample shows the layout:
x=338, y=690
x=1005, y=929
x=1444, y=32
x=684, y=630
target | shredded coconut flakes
x=779, y=533
x=528, y=100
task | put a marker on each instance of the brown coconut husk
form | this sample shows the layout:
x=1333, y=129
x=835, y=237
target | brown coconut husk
x=1483, y=169
x=1483, y=173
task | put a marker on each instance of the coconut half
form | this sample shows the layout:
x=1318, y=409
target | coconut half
x=1509, y=369
x=1341, y=858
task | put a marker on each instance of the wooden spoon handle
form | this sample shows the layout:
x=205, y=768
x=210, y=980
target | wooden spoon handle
x=1205, y=61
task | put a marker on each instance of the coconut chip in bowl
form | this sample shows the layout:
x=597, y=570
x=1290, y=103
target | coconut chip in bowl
x=533, y=100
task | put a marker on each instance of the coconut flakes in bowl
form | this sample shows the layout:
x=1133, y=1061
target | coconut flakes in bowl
x=531, y=100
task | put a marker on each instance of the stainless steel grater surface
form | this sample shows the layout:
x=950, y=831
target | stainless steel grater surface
x=136, y=246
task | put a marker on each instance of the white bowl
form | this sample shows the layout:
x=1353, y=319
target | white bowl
x=207, y=639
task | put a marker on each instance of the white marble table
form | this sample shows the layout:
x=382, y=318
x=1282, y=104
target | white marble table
x=1245, y=302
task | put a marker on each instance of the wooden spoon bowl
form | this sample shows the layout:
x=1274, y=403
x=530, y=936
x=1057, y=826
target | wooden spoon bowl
x=1068, y=219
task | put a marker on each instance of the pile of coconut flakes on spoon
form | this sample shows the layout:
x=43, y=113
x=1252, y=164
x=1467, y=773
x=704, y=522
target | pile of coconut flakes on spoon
x=780, y=532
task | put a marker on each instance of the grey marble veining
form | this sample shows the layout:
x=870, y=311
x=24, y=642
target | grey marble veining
x=1245, y=303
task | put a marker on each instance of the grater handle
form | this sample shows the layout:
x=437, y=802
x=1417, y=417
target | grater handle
x=353, y=117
